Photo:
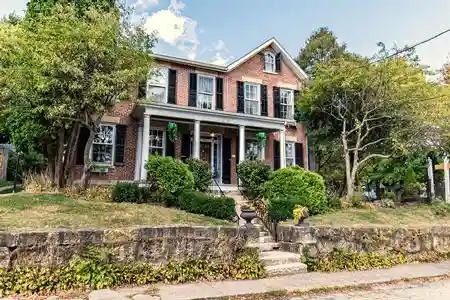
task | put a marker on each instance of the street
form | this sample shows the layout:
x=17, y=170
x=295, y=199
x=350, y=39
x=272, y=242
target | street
x=439, y=290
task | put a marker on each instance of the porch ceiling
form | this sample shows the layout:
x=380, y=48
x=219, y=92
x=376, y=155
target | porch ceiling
x=210, y=116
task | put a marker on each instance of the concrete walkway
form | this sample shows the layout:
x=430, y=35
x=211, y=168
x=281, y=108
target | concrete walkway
x=302, y=282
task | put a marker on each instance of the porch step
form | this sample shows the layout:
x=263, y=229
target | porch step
x=286, y=269
x=266, y=239
x=265, y=247
x=274, y=258
x=263, y=233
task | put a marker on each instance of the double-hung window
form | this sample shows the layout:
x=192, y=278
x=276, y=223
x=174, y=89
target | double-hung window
x=251, y=98
x=205, y=92
x=287, y=104
x=157, y=142
x=253, y=150
x=103, y=145
x=269, y=62
x=290, y=154
x=157, y=85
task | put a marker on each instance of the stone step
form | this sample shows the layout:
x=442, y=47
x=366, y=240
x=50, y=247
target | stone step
x=263, y=233
x=273, y=258
x=264, y=247
x=286, y=269
x=265, y=239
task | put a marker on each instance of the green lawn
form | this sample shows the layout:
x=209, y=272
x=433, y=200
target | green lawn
x=406, y=215
x=24, y=211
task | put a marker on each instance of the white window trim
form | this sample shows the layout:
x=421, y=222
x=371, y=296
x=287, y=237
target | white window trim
x=263, y=149
x=113, y=152
x=213, y=105
x=163, y=142
x=274, y=63
x=258, y=97
x=165, y=86
x=292, y=99
x=293, y=153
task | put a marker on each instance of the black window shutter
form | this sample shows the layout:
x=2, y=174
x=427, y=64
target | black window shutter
x=219, y=93
x=119, y=152
x=226, y=161
x=172, y=93
x=276, y=155
x=299, y=154
x=276, y=102
x=193, y=90
x=278, y=63
x=264, y=100
x=170, y=148
x=82, y=140
x=240, y=97
x=185, y=146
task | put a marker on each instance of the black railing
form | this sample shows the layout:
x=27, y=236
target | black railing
x=218, y=186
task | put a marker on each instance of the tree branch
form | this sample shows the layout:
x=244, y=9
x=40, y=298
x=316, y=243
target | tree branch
x=370, y=156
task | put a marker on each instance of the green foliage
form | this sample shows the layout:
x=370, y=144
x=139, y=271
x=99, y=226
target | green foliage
x=281, y=209
x=172, y=131
x=299, y=212
x=36, y=8
x=168, y=175
x=358, y=201
x=333, y=202
x=201, y=203
x=389, y=195
x=387, y=203
x=95, y=270
x=321, y=46
x=440, y=208
x=24, y=163
x=294, y=183
x=130, y=192
x=252, y=174
x=202, y=173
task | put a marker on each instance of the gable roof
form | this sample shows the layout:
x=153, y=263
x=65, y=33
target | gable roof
x=271, y=42
x=277, y=46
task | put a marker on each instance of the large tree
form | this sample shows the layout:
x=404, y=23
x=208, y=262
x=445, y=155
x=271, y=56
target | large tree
x=373, y=108
x=69, y=71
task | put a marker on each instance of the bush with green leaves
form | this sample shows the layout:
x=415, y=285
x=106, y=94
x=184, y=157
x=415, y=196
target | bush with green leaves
x=208, y=205
x=252, y=174
x=281, y=209
x=95, y=269
x=202, y=173
x=294, y=183
x=24, y=163
x=130, y=192
x=168, y=176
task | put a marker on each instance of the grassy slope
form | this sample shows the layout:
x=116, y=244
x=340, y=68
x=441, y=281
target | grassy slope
x=24, y=211
x=413, y=215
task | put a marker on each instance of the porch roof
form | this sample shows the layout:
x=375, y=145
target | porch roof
x=212, y=116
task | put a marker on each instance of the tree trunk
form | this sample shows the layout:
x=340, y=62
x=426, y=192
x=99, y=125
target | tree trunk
x=59, y=167
x=87, y=160
x=71, y=151
x=348, y=169
x=51, y=163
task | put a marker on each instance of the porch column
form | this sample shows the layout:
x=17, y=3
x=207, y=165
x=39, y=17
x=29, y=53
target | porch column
x=145, y=146
x=446, y=180
x=282, y=148
x=241, y=143
x=196, y=149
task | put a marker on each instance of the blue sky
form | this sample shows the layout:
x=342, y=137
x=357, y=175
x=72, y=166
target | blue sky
x=222, y=30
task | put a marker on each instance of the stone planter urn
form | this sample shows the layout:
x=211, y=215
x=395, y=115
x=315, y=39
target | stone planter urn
x=248, y=215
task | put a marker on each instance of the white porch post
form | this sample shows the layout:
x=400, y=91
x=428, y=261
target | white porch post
x=138, y=166
x=431, y=178
x=241, y=143
x=196, y=151
x=282, y=148
x=446, y=180
x=145, y=146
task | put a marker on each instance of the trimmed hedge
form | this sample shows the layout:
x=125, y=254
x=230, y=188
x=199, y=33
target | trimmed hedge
x=201, y=203
x=201, y=172
x=96, y=271
x=281, y=209
x=168, y=175
x=130, y=192
x=252, y=174
x=294, y=183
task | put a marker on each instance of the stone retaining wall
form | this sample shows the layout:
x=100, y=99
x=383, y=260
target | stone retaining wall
x=369, y=239
x=150, y=244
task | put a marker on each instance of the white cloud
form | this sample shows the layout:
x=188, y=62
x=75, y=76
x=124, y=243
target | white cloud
x=172, y=27
x=9, y=6
x=222, y=55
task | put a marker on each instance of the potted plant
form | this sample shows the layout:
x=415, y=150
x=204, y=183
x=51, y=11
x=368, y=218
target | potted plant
x=300, y=213
x=248, y=214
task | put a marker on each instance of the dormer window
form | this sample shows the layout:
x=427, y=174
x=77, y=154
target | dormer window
x=269, y=62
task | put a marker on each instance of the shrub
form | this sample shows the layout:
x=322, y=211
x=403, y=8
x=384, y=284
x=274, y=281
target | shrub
x=294, y=183
x=93, y=193
x=130, y=192
x=252, y=174
x=168, y=175
x=31, y=162
x=387, y=203
x=281, y=209
x=201, y=172
x=201, y=203
x=38, y=183
x=440, y=208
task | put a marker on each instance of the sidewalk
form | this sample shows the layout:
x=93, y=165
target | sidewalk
x=300, y=282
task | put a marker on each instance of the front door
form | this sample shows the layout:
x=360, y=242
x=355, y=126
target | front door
x=211, y=152
x=205, y=152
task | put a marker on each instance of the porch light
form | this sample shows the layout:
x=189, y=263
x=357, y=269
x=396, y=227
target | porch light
x=212, y=134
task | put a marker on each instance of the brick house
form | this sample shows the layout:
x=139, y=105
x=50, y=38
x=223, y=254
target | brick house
x=218, y=110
